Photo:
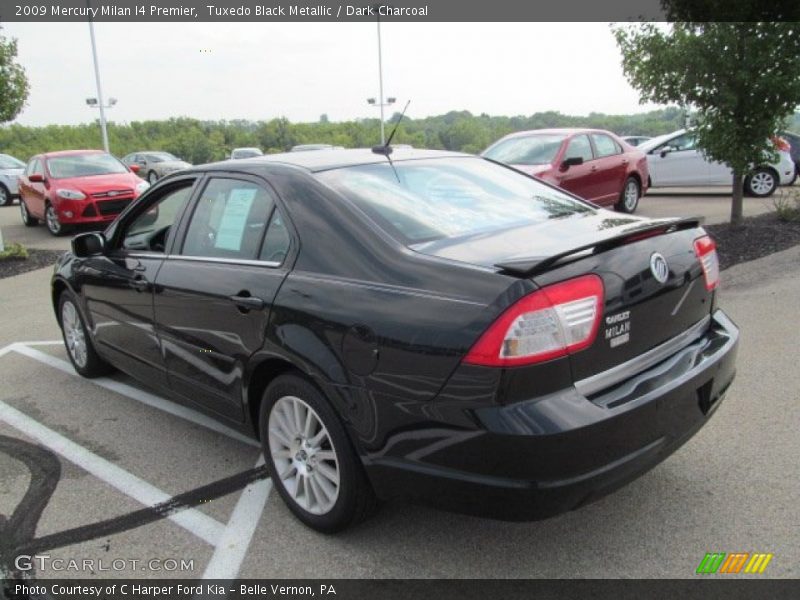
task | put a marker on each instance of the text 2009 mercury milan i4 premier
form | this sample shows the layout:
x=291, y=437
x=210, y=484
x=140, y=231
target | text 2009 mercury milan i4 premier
x=417, y=324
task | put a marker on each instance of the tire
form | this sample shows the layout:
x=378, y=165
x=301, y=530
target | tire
x=79, y=345
x=761, y=183
x=27, y=218
x=629, y=196
x=5, y=196
x=301, y=434
x=152, y=177
x=54, y=226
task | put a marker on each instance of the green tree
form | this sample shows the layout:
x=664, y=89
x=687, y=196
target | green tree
x=741, y=78
x=13, y=81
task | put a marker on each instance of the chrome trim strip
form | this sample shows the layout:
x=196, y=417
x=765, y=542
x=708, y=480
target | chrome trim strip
x=225, y=261
x=595, y=383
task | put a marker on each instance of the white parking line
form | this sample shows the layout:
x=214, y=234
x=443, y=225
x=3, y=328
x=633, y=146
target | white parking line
x=235, y=539
x=136, y=394
x=194, y=521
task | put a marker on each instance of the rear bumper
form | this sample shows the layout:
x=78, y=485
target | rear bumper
x=537, y=458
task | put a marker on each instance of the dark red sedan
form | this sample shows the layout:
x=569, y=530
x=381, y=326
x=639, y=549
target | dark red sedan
x=74, y=187
x=591, y=163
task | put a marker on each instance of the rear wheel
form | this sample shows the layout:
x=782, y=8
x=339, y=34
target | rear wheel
x=152, y=177
x=310, y=458
x=761, y=183
x=27, y=219
x=5, y=196
x=80, y=350
x=629, y=197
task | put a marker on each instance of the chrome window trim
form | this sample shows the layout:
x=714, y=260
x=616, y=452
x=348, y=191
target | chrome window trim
x=228, y=261
x=600, y=381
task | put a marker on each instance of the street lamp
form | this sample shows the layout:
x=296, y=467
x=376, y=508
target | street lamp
x=94, y=103
x=389, y=101
x=98, y=102
x=380, y=102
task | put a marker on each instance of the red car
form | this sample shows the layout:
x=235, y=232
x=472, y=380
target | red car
x=76, y=187
x=591, y=163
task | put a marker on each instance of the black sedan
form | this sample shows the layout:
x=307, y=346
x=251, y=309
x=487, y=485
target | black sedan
x=422, y=325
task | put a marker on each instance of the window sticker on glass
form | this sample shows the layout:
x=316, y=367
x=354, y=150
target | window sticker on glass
x=234, y=219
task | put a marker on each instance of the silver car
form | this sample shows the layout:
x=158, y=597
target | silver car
x=155, y=165
x=10, y=170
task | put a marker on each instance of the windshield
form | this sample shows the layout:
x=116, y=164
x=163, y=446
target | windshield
x=84, y=165
x=161, y=156
x=419, y=201
x=529, y=150
x=9, y=162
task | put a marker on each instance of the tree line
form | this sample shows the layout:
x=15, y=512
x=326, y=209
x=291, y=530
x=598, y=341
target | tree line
x=199, y=141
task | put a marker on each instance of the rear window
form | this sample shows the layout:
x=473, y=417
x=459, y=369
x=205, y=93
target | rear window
x=419, y=201
x=529, y=150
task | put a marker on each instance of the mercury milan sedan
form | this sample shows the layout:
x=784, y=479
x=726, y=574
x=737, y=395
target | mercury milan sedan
x=411, y=324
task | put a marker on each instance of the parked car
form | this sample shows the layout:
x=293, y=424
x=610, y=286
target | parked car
x=155, y=165
x=10, y=170
x=75, y=187
x=793, y=139
x=237, y=153
x=437, y=327
x=635, y=140
x=591, y=163
x=675, y=161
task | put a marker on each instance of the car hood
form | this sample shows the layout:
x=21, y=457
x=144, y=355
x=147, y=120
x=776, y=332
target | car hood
x=100, y=183
x=541, y=240
x=533, y=169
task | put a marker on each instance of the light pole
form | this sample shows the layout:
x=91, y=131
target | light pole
x=389, y=101
x=95, y=103
x=99, y=100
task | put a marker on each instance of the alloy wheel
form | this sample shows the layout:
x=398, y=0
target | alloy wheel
x=4, y=196
x=152, y=178
x=304, y=456
x=631, y=194
x=53, y=224
x=24, y=211
x=74, y=336
x=762, y=183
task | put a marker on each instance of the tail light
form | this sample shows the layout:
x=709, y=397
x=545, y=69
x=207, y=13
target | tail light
x=706, y=250
x=554, y=321
x=781, y=144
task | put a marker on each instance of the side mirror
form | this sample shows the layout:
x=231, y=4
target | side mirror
x=666, y=150
x=88, y=244
x=572, y=161
x=134, y=168
x=36, y=178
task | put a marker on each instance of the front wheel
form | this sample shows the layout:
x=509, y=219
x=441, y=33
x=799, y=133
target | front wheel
x=152, y=177
x=5, y=196
x=629, y=197
x=27, y=219
x=310, y=458
x=54, y=226
x=80, y=350
x=762, y=183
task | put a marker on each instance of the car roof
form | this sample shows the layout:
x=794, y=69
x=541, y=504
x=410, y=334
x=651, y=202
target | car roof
x=557, y=130
x=69, y=153
x=323, y=160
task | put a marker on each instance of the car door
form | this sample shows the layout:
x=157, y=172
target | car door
x=118, y=286
x=677, y=162
x=35, y=192
x=578, y=179
x=612, y=165
x=215, y=291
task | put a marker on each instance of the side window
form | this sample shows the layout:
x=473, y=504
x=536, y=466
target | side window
x=604, y=145
x=277, y=241
x=682, y=142
x=579, y=146
x=149, y=230
x=228, y=221
x=32, y=166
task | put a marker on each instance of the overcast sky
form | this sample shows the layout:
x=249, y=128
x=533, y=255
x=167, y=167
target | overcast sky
x=302, y=70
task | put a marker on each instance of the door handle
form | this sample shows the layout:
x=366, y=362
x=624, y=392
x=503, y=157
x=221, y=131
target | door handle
x=248, y=302
x=140, y=284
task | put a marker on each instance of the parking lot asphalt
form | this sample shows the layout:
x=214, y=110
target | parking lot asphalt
x=120, y=448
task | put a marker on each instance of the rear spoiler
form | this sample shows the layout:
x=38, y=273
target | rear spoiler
x=538, y=264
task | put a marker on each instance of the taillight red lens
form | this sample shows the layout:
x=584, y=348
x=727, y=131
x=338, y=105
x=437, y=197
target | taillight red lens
x=706, y=250
x=554, y=321
x=781, y=144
